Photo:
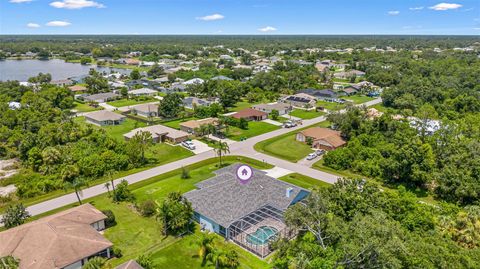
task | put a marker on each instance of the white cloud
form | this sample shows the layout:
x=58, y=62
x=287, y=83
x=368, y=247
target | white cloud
x=213, y=17
x=445, y=6
x=267, y=29
x=393, y=12
x=58, y=23
x=33, y=25
x=20, y=1
x=76, y=4
x=416, y=8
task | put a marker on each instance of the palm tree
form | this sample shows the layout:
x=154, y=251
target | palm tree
x=224, y=258
x=77, y=185
x=107, y=186
x=222, y=148
x=9, y=262
x=110, y=176
x=95, y=263
x=205, y=244
x=216, y=257
x=162, y=215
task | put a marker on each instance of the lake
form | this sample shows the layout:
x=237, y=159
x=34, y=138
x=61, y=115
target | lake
x=21, y=70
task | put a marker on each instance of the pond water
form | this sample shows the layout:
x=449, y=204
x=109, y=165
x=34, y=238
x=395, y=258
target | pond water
x=21, y=70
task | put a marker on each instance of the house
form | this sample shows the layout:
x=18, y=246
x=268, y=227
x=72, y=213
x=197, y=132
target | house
x=321, y=138
x=350, y=90
x=191, y=125
x=194, y=81
x=62, y=82
x=77, y=88
x=250, y=114
x=13, y=105
x=101, y=97
x=145, y=110
x=160, y=133
x=239, y=210
x=104, y=118
x=142, y=92
x=349, y=74
x=282, y=108
x=63, y=240
x=131, y=264
x=300, y=100
x=327, y=94
x=221, y=78
x=191, y=102
x=132, y=61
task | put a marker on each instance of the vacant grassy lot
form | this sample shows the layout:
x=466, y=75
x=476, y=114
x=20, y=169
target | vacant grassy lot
x=304, y=181
x=80, y=107
x=330, y=105
x=131, y=102
x=242, y=105
x=254, y=128
x=286, y=147
x=306, y=114
x=358, y=99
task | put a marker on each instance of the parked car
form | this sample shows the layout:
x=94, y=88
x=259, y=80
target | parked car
x=320, y=152
x=188, y=145
x=289, y=124
x=311, y=156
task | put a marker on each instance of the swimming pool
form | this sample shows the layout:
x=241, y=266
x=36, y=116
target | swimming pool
x=262, y=235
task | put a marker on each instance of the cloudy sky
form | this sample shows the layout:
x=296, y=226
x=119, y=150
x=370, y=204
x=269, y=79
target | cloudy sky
x=240, y=17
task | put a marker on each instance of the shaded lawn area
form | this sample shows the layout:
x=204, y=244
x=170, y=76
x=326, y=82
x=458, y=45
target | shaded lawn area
x=254, y=128
x=330, y=105
x=175, y=124
x=136, y=235
x=358, y=99
x=306, y=114
x=286, y=147
x=304, y=181
x=80, y=107
x=130, y=102
x=242, y=105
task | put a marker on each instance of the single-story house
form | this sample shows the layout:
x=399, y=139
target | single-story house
x=62, y=82
x=65, y=240
x=322, y=138
x=350, y=90
x=104, y=118
x=194, y=81
x=191, y=102
x=300, y=100
x=327, y=94
x=145, y=110
x=131, y=264
x=191, y=125
x=348, y=74
x=102, y=97
x=221, y=78
x=160, y=133
x=250, y=114
x=77, y=88
x=282, y=108
x=142, y=92
x=239, y=211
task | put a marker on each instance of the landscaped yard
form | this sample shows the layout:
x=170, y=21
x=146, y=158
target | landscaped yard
x=306, y=114
x=131, y=102
x=242, y=105
x=80, y=107
x=286, y=147
x=116, y=131
x=175, y=124
x=304, y=181
x=330, y=105
x=254, y=128
x=358, y=99
x=136, y=235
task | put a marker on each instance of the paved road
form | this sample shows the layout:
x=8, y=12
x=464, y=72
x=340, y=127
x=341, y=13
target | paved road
x=244, y=148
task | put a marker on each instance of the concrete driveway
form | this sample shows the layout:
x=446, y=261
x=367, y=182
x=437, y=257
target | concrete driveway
x=273, y=122
x=200, y=147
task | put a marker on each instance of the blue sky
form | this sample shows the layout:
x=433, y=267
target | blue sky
x=240, y=17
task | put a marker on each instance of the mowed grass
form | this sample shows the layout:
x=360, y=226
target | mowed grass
x=130, y=102
x=358, y=99
x=242, y=105
x=304, y=181
x=254, y=128
x=80, y=107
x=330, y=105
x=175, y=124
x=306, y=114
x=115, y=131
x=286, y=147
x=135, y=235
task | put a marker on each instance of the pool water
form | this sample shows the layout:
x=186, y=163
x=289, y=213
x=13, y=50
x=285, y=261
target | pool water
x=262, y=235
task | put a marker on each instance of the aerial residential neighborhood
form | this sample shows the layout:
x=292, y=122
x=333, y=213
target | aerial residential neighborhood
x=192, y=134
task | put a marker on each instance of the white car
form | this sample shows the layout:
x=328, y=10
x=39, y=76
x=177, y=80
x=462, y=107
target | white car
x=189, y=145
x=311, y=156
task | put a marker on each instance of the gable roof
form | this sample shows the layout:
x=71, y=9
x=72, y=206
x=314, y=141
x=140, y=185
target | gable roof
x=330, y=136
x=249, y=112
x=192, y=124
x=145, y=108
x=131, y=264
x=157, y=131
x=57, y=240
x=319, y=93
x=224, y=199
x=103, y=115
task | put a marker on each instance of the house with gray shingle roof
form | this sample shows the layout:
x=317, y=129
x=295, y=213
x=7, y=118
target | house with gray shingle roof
x=250, y=214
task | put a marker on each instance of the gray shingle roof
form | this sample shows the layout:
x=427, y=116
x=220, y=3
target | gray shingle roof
x=224, y=199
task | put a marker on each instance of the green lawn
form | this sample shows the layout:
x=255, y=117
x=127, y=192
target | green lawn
x=130, y=102
x=175, y=124
x=330, y=105
x=242, y=105
x=304, y=181
x=254, y=128
x=344, y=173
x=306, y=114
x=136, y=235
x=286, y=147
x=358, y=99
x=117, y=131
x=80, y=107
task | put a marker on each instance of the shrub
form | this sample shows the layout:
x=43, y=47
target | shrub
x=185, y=173
x=146, y=262
x=147, y=208
x=122, y=193
x=116, y=252
x=110, y=220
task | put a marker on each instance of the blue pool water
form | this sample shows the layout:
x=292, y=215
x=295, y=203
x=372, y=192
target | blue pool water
x=262, y=235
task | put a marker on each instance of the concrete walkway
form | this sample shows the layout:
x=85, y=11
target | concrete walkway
x=107, y=106
x=243, y=148
x=273, y=122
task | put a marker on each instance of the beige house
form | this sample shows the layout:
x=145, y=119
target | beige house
x=131, y=264
x=322, y=138
x=145, y=110
x=191, y=125
x=301, y=100
x=282, y=108
x=65, y=240
x=104, y=118
x=160, y=133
